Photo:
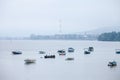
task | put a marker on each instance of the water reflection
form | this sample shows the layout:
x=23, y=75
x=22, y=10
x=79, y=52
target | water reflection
x=29, y=63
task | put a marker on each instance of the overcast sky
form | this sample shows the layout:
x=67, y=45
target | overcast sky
x=25, y=17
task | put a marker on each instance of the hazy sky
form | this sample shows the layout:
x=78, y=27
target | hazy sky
x=24, y=17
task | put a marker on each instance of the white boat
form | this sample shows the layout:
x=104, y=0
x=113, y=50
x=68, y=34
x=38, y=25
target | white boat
x=29, y=60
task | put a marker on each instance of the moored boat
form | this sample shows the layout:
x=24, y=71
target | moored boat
x=69, y=58
x=61, y=52
x=86, y=52
x=90, y=49
x=49, y=56
x=113, y=63
x=42, y=52
x=71, y=49
x=16, y=52
x=29, y=60
x=117, y=51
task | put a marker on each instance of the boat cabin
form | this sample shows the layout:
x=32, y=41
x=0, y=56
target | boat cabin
x=70, y=49
x=117, y=51
x=91, y=49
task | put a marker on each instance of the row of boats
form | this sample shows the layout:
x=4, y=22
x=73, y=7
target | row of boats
x=63, y=52
x=60, y=52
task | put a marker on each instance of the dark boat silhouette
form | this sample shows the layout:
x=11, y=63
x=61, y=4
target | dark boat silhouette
x=86, y=52
x=16, y=52
x=49, y=56
x=113, y=63
x=90, y=49
x=117, y=51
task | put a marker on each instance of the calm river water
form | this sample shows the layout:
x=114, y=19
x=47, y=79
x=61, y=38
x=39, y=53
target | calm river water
x=84, y=67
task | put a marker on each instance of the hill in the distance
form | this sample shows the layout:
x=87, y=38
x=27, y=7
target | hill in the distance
x=103, y=30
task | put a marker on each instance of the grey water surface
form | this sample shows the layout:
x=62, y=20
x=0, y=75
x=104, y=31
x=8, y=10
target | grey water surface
x=84, y=67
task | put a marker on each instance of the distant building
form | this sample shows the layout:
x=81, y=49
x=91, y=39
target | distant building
x=63, y=37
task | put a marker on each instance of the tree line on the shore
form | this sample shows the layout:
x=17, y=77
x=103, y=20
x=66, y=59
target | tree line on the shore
x=111, y=36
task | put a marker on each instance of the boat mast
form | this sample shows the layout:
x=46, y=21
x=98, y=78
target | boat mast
x=60, y=26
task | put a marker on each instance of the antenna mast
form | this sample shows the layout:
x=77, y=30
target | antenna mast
x=60, y=26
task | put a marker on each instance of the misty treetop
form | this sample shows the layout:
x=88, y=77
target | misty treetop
x=111, y=36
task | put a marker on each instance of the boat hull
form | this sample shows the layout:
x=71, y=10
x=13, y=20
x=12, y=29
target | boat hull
x=16, y=52
x=49, y=56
